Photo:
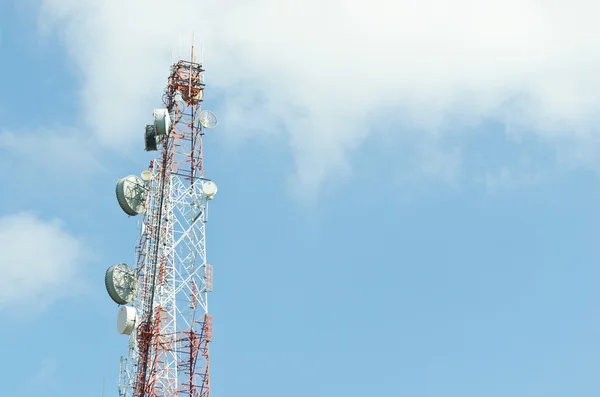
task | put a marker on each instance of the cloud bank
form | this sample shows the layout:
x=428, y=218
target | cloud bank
x=320, y=70
x=39, y=261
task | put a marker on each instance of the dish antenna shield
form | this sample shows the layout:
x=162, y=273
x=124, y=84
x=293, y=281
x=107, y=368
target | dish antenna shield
x=209, y=188
x=126, y=320
x=162, y=122
x=150, y=139
x=208, y=119
x=121, y=283
x=131, y=194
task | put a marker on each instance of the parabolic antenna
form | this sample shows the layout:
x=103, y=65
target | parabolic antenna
x=146, y=175
x=209, y=188
x=126, y=320
x=121, y=283
x=130, y=194
x=150, y=138
x=162, y=122
x=178, y=97
x=208, y=119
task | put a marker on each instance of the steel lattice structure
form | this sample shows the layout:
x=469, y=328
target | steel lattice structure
x=168, y=350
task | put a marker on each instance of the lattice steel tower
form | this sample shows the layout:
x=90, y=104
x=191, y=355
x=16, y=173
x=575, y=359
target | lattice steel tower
x=165, y=297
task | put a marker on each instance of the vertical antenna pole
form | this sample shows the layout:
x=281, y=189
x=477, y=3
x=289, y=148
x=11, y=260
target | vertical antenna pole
x=193, y=60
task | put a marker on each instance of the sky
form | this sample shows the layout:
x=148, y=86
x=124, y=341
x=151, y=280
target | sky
x=407, y=197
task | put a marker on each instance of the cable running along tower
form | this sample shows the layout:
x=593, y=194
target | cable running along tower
x=164, y=299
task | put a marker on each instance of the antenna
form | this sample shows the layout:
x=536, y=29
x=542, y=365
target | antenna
x=208, y=119
x=192, y=59
x=131, y=195
x=163, y=298
x=146, y=175
x=103, y=386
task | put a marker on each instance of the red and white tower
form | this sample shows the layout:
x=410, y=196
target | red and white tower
x=164, y=299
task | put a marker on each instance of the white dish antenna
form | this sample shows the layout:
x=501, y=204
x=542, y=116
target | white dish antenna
x=131, y=194
x=126, y=320
x=208, y=119
x=162, y=122
x=146, y=175
x=121, y=283
x=178, y=97
x=209, y=188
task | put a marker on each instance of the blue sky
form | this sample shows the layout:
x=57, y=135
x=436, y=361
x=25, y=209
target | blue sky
x=431, y=239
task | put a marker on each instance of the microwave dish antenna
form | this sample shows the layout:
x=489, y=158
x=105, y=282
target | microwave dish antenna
x=131, y=194
x=146, y=175
x=162, y=122
x=208, y=119
x=209, y=188
x=150, y=140
x=178, y=96
x=126, y=320
x=121, y=283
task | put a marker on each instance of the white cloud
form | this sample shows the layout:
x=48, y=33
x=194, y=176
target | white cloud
x=57, y=152
x=40, y=261
x=510, y=178
x=320, y=67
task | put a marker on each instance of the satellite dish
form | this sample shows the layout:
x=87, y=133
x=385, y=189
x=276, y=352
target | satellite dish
x=208, y=119
x=150, y=138
x=162, y=122
x=178, y=97
x=209, y=188
x=146, y=175
x=126, y=320
x=121, y=283
x=130, y=194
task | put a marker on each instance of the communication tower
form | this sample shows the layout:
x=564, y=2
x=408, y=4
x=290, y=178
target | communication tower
x=164, y=299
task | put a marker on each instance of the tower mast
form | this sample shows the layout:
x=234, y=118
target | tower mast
x=168, y=322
